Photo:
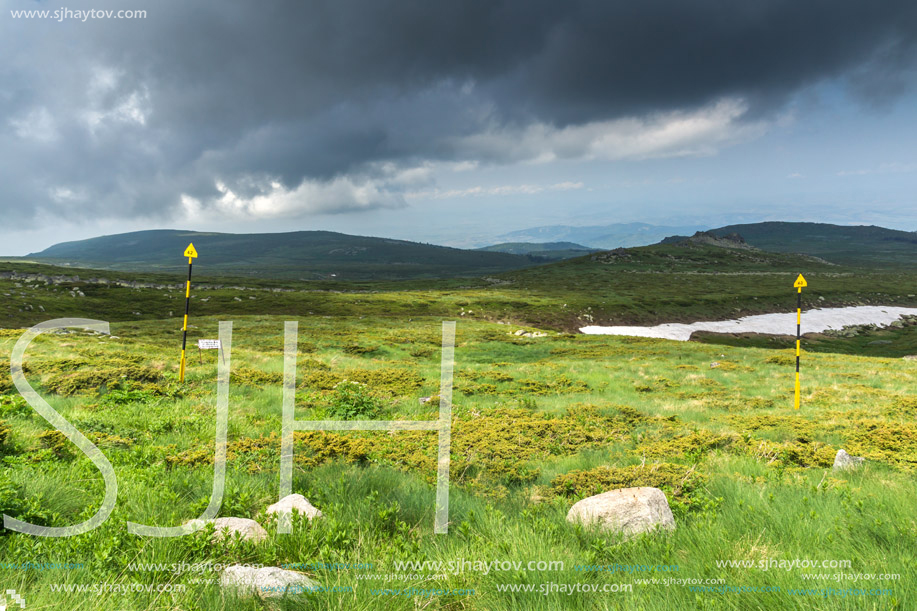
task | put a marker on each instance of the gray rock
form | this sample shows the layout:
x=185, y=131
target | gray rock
x=266, y=582
x=844, y=461
x=249, y=529
x=287, y=504
x=628, y=511
x=910, y=357
x=879, y=342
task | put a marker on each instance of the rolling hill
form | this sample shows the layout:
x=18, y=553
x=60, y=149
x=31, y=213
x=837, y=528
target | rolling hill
x=547, y=251
x=841, y=244
x=300, y=255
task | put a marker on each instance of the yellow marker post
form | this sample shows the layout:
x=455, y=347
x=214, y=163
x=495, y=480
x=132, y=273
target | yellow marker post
x=800, y=282
x=191, y=253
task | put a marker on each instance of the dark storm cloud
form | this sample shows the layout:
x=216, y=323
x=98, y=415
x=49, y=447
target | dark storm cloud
x=122, y=117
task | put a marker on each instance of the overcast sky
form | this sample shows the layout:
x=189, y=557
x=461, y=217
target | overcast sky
x=452, y=122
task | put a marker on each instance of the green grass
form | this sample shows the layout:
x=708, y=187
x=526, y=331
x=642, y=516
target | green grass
x=886, y=342
x=538, y=423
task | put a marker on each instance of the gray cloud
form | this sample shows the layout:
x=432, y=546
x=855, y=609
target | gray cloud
x=121, y=118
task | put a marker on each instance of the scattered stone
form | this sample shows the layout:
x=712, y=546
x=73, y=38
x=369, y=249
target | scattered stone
x=519, y=332
x=237, y=299
x=910, y=357
x=287, y=504
x=42, y=308
x=628, y=511
x=266, y=582
x=844, y=461
x=249, y=529
x=879, y=342
x=714, y=364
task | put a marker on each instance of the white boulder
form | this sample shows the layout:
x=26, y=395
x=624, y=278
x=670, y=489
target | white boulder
x=628, y=511
x=844, y=461
x=287, y=504
x=266, y=582
x=249, y=529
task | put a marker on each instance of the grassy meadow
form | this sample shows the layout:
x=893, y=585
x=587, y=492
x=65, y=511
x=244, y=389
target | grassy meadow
x=538, y=423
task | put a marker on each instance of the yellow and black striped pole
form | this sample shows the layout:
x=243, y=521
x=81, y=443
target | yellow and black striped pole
x=191, y=254
x=800, y=282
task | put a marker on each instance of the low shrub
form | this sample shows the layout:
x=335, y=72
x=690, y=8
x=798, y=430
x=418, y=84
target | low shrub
x=249, y=376
x=392, y=380
x=352, y=400
x=678, y=481
x=58, y=443
x=95, y=380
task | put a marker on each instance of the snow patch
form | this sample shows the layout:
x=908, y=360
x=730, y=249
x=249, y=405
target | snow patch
x=813, y=321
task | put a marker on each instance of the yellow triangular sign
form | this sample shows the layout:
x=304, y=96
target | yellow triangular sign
x=800, y=282
x=192, y=254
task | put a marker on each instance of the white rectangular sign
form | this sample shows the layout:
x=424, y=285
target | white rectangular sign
x=208, y=344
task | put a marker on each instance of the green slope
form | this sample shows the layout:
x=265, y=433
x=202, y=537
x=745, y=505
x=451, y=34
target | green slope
x=695, y=281
x=852, y=245
x=306, y=255
x=546, y=251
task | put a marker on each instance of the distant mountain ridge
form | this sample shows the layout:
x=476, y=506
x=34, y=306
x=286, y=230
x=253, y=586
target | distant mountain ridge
x=306, y=255
x=324, y=255
x=548, y=251
x=606, y=237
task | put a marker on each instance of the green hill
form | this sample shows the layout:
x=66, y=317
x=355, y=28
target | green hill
x=300, y=255
x=850, y=245
x=547, y=251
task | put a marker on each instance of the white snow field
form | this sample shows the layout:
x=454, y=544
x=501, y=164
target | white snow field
x=813, y=321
